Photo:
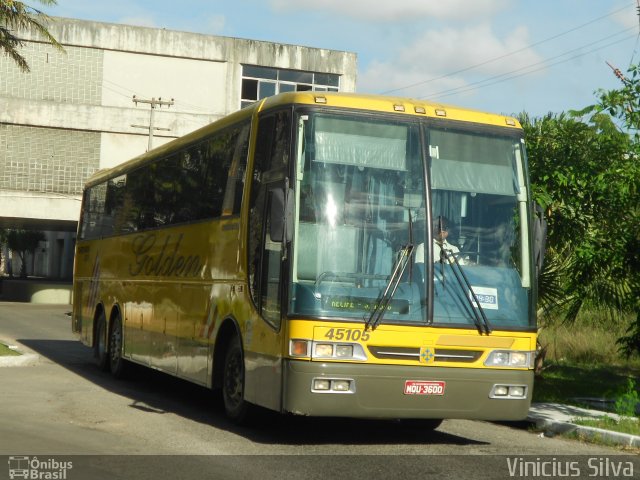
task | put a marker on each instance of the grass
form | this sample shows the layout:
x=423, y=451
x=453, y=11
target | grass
x=582, y=360
x=564, y=382
x=591, y=340
x=6, y=351
x=624, y=425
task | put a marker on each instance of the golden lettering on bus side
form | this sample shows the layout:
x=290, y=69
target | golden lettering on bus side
x=168, y=262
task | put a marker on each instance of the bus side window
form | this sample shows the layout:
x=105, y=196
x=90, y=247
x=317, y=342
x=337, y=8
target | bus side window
x=218, y=162
x=235, y=175
x=93, y=214
x=114, y=208
x=226, y=155
x=270, y=167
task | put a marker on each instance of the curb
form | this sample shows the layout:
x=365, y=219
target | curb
x=552, y=427
x=22, y=360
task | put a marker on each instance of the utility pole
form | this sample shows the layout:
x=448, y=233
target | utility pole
x=624, y=80
x=153, y=103
x=618, y=73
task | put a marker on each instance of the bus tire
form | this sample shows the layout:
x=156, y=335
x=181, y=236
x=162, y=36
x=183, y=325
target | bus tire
x=235, y=406
x=100, y=345
x=117, y=364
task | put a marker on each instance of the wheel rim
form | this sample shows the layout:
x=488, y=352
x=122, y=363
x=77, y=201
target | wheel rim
x=233, y=380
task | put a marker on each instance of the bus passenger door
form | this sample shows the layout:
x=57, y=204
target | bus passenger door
x=263, y=358
x=263, y=350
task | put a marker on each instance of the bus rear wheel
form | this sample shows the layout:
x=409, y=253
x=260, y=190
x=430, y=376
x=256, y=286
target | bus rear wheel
x=235, y=406
x=117, y=364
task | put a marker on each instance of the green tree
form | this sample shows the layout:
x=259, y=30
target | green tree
x=23, y=242
x=585, y=173
x=624, y=105
x=16, y=16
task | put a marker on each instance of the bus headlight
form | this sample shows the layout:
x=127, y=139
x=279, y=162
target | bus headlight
x=324, y=350
x=344, y=351
x=510, y=359
x=338, y=351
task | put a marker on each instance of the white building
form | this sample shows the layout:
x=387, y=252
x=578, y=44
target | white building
x=75, y=113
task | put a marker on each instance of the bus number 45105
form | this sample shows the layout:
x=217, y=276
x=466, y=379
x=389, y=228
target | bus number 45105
x=347, y=334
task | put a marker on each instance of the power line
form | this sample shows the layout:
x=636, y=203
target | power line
x=129, y=93
x=509, y=76
x=466, y=69
x=635, y=48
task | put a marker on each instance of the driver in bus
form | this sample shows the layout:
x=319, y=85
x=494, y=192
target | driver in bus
x=440, y=243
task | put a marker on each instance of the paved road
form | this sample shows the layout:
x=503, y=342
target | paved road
x=64, y=406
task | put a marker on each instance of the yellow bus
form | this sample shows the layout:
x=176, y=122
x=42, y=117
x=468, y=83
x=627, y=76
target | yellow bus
x=321, y=254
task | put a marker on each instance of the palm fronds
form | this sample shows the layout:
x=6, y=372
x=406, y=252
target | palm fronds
x=16, y=17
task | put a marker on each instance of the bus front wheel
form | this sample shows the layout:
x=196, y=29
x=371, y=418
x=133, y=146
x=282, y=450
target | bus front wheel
x=235, y=406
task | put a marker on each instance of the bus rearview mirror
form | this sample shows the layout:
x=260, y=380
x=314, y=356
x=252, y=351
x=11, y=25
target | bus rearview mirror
x=281, y=215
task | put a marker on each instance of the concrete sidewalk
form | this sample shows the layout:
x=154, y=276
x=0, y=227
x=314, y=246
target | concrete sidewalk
x=26, y=358
x=554, y=418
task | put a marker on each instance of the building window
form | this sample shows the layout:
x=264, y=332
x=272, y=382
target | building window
x=262, y=82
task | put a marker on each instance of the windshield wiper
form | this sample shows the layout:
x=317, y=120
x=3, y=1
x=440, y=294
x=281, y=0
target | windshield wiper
x=384, y=300
x=479, y=317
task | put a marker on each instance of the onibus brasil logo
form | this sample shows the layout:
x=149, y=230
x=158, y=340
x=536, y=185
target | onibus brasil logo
x=38, y=469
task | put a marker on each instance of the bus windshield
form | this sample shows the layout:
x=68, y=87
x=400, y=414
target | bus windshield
x=361, y=200
x=480, y=227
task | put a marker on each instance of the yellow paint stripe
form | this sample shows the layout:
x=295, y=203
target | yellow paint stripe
x=473, y=341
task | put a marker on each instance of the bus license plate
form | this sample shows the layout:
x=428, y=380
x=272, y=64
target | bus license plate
x=420, y=387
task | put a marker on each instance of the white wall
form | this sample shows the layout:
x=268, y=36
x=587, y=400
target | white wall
x=197, y=86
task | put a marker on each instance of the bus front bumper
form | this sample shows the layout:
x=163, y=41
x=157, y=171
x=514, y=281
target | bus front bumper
x=398, y=391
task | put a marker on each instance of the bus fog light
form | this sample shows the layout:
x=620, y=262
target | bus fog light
x=509, y=392
x=340, y=385
x=321, y=384
x=344, y=351
x=323, y=350
x=517, y=391
x=501, y=391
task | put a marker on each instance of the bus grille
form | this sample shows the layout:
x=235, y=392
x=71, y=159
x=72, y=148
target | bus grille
x=441, y=354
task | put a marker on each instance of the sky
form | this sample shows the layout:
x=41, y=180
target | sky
x=503, y=56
